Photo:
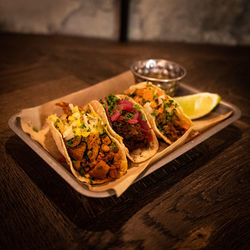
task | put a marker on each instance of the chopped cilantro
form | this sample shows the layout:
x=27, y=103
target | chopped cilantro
x=83, y=126
x=165, y=105
x=153, y=114
x=35, y=129
x=81, y=171
x=112, y=146
x=104, y=105
x=155, y=96
x=129, y=115
x=168, y=104
x=144, y=101
x=104, y=135
x=70, y=142
x=169, y=116
x=160, y=127
x=143, y=117
x=137, y=107
x=132, y=95
x=112, y=102
x=110, y=162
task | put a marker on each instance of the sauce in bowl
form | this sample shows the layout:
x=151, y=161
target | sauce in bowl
x=163, y=73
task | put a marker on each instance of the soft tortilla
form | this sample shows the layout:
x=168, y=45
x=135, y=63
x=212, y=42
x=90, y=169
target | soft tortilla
x=185, y=120
x=136, y=156
x=58, y=138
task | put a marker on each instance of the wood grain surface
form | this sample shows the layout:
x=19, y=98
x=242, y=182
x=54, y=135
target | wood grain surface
x=201, y=200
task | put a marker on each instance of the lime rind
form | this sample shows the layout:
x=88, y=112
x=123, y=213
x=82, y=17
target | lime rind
x=198, y=105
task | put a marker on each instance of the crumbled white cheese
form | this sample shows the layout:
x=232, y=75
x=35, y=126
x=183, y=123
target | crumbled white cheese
x=148, y=107
x=160, y=101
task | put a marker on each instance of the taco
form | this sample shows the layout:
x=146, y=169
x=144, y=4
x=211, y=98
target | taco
x=93, y=154
x=128, y=123
x=165, y=115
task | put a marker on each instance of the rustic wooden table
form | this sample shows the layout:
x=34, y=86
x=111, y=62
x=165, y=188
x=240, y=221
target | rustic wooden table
x=200, y=200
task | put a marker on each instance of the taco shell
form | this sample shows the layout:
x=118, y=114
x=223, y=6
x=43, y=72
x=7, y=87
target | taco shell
x=183, y=121
x=140, y=154
x=60, y=141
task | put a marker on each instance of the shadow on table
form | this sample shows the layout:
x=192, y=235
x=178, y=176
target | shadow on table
x=111, y=213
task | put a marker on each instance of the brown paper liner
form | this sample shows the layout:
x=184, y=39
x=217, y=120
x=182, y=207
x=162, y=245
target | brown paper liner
x=33, y=122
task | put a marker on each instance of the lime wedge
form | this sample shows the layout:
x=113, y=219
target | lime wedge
x=198, y=105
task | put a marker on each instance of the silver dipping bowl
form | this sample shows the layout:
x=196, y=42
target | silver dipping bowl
x=163, y=73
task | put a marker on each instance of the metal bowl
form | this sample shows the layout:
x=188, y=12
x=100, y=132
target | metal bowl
x=163, y=73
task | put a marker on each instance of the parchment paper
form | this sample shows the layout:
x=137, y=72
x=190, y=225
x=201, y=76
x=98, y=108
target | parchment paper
x=33, y=122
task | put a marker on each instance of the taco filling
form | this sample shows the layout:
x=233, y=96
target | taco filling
x=162, y=108
x=93, y=152
x=127, y=120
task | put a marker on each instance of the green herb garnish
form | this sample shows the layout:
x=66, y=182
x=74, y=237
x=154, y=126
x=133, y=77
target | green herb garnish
x=132, y=95
x=35, y=129
x=129, y=116
x=160, y=127
x=83, y=126
x=103, y=135
x=155, y=96
x=137, y=107
x=81, y=171
x=168, y=104
x=69, y=143
x=112, y=102
x=112, y=146
x=144, y=101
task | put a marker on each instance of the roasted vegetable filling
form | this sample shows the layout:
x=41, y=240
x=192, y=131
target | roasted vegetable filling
x=92, y=151
x=171, y=129
x=95, y=156
x=128, y=121
x=159, y=105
